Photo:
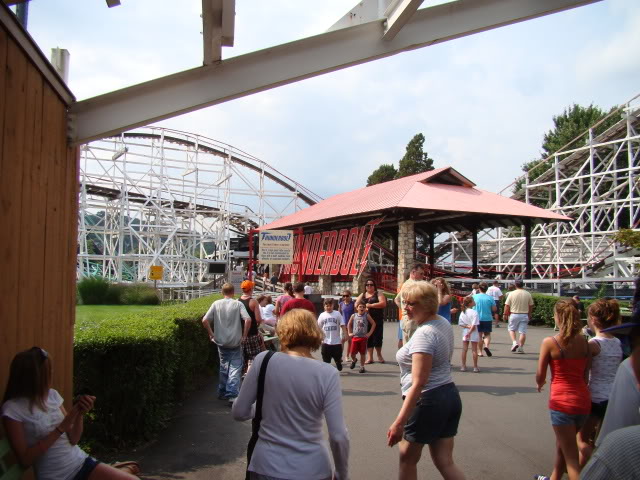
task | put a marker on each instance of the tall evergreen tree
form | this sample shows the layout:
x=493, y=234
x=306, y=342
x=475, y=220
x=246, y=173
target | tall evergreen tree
x=415, y=160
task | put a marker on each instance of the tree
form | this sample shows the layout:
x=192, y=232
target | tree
x=415, y=160
x=570, y=130
x=383, y=173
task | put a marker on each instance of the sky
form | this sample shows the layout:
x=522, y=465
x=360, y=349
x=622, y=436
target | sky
x=483, y=102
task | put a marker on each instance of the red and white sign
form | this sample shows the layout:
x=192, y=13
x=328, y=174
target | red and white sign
x=334, y=252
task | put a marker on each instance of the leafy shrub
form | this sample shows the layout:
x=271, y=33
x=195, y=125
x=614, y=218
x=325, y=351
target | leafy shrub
x=138, y=366
x=138, y=294
x=114, y=294
x=93, y=290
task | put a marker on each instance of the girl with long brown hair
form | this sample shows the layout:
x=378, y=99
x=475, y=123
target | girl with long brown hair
x=41, y=432
x=606, y=353
x=568, y=356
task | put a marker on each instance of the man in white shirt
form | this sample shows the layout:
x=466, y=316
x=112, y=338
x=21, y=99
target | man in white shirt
x=517, y=311
x=227, y=323
x=308, y=289
x=495, y=292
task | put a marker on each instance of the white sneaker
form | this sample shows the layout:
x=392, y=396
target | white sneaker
x=231, y=401
x=514, y=347
x=520, y=350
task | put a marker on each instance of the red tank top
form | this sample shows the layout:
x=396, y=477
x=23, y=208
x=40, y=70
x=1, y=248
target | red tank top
x=569, y=390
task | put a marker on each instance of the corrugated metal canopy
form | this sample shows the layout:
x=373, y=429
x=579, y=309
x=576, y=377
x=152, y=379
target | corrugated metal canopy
x=441, y=200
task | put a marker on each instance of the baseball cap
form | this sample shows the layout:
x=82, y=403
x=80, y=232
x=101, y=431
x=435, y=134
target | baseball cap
x=247, y=285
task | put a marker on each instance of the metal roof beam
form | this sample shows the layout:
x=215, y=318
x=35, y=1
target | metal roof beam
x=397, y=15
x=218, y=25
x=240, y=76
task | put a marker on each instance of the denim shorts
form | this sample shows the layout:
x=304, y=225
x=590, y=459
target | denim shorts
x=436, y=415
x=88, y=466
x=561, y=418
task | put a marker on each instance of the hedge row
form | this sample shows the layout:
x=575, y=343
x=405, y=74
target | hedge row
x=99, y=291
x=138, y=366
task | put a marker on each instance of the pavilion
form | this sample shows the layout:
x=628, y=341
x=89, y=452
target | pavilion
x=430, y=203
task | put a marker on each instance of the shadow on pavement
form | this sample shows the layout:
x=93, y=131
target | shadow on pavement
x=365, y=393
x=495, y=390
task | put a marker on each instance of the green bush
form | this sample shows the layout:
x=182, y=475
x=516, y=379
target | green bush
x=138, y=366
x=93, y=290
x=139, y=294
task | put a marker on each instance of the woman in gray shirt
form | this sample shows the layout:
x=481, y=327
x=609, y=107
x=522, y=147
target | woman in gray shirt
x=432, y=407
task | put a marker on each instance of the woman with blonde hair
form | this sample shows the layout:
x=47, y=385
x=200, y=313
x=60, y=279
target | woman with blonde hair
x=432, y=407
x=568, y=356
x=41, y=432
x=606, y=353
x=444, y=297
x=298, y=392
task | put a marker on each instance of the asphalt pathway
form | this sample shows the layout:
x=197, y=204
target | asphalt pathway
x=504, y=432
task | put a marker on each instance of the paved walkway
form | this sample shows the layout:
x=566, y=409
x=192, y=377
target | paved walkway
x=504, y=431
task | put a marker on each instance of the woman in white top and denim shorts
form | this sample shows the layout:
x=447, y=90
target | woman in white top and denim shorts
x=432, y=407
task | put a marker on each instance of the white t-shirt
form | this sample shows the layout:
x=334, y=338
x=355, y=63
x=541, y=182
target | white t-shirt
x=604, y=367
x=494, y=292
x=267, y=314
x=227, y=317
x=62, y=460
x=298, y=393
x=330, y=323
x=434, y=337
x=308, y=289
x=467, y=319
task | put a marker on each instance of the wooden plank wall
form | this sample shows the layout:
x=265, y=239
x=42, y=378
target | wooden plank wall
x=38, y=218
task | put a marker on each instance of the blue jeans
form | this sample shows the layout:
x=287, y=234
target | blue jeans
x=230, y=371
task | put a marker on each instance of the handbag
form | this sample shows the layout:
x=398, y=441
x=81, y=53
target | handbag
x=257, y=418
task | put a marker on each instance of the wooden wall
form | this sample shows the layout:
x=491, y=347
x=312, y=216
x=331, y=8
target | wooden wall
x=38, y=217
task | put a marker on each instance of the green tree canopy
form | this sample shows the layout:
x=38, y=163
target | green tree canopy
x=415, y=160
x=383, y=173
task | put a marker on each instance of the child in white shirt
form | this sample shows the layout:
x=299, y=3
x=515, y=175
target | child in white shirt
x=469, y=321
x=332, y=323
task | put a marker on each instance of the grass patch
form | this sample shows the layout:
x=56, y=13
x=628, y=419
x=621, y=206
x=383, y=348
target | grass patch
x=97, y=313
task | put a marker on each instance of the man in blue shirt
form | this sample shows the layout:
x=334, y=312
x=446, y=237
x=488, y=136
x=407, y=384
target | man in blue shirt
x=486, y=308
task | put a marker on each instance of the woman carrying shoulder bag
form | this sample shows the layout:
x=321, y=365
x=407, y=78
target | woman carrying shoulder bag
x=298, y=392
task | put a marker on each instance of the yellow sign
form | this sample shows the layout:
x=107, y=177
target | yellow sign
x=155, y=272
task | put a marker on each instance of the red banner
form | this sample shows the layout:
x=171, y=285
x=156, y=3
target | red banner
x=333, y=252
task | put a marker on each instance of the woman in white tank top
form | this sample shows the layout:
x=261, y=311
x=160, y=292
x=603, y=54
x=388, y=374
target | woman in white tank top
x=606, y=355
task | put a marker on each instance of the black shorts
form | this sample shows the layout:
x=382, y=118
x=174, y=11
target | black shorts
x=599, y=409
x=375, y=340
x=485, y=327
x=436, y=415
x=331, y=352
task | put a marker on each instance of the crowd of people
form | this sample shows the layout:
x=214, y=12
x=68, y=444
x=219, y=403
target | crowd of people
x=593, y=403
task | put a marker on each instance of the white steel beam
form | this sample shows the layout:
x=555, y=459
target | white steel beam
x=397, y=15
x=240, y=76
x=218, y=25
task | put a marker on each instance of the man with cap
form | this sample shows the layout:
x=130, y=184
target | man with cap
x=517, y=311
x=253, y=343
x=619, y=439
x=227, y=323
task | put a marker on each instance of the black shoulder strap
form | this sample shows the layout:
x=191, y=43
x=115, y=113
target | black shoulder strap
x=257, y=418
